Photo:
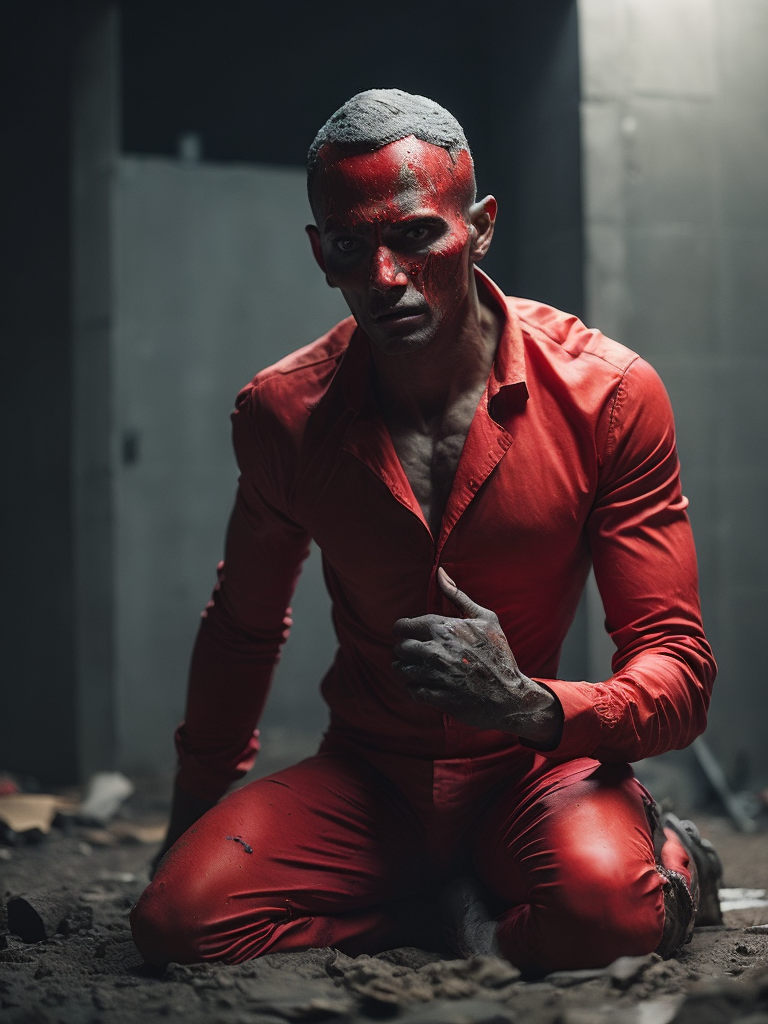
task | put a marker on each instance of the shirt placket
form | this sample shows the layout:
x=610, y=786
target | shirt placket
x=369, y=441
x=486, y=444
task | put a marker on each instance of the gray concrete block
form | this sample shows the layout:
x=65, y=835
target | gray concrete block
x=672, y=280
x=603, y=41
x=703, y=491
x=705, y=511
x=742, y=47
x=676, y=232
x=203, y=301
x=737, y=717
x=605, y=280
x=709, y=557
x=670, y=158
x=745, y=416
x=743, y=156
x=672, y=47
x=603, y=162
x=745, y=501
x=744, y=257
x=676, y=779
x=95, y=142
x=549, y=273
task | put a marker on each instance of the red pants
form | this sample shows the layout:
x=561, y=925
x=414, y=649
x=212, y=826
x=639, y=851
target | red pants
x=345, y=852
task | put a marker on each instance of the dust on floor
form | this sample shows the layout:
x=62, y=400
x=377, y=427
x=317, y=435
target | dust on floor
x=91, y=973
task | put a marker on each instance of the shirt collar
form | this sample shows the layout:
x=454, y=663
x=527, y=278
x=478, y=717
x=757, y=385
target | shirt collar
x=508, y=370
x=509, y=362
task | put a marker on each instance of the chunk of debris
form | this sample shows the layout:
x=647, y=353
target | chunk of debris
x=38, y=916
x=742, y=899
x=105, y=793
x=27, y=816
x=629, y=969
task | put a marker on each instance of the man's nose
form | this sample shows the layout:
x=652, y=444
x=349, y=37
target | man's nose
x=386, y=271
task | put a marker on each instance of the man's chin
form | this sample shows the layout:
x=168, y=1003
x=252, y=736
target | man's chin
x=408, y=335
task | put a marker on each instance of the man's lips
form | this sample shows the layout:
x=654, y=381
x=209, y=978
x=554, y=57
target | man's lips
x=399, y=313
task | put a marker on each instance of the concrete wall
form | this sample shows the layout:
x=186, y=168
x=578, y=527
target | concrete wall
x=37, y=679
x=213, y=280
x=675, y=144
x=201, y=303
x=110, y=532
x=94, y=153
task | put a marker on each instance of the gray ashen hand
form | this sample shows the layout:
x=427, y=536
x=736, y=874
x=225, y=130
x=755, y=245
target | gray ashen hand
x=464, y=667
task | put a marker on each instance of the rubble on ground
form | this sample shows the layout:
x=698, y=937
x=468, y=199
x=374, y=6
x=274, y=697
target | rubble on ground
x=81, y=967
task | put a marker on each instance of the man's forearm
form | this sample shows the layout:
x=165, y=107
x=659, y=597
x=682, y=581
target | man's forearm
x=186, y=809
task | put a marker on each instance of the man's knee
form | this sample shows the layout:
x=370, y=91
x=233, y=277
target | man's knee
x=614, y=909
x=188, y=924
x=586, y=923
x=163, y=929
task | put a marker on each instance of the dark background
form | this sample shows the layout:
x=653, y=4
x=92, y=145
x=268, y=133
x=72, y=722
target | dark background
x=254, y=83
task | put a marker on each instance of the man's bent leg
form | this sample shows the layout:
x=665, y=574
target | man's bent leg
x=575, y=866
x=324, y=853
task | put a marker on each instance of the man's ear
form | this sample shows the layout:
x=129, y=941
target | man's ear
x=317, y=249
x=482, y=216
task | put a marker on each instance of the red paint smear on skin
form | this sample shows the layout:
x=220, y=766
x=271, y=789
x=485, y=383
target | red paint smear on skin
x=407, y=178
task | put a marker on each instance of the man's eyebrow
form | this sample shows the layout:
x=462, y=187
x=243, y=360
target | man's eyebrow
x=420, y=218
x=333, y=223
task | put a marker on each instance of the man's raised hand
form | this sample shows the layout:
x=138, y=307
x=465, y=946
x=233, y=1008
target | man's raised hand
x=465, y=668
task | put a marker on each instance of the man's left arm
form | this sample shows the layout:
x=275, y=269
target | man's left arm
x=645, y=566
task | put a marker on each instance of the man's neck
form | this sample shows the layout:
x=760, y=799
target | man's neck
x=420, y=386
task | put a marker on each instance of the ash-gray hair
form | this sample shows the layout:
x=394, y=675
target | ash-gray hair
x=376, y=117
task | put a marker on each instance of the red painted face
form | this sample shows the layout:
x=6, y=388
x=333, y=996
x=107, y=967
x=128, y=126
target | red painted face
x=396, y=238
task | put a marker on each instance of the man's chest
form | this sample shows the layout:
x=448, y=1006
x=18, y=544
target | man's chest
x=515, y=494
x=430, y=460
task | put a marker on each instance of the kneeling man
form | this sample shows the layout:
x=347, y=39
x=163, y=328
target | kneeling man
x=461, y=458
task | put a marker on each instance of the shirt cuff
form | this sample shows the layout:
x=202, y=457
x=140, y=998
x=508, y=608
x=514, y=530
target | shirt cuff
x=590, y=711
x=209, y=778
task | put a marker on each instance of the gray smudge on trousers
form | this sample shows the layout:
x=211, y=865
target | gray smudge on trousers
x=245, y=846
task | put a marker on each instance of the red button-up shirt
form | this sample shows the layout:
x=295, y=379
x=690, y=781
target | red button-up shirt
x=570, y=459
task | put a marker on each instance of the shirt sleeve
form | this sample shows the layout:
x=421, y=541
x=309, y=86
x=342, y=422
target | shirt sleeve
x=645, y=566
x=245, y=623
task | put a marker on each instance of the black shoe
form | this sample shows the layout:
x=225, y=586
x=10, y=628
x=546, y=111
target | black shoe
x=679, y=914
x=707, y=876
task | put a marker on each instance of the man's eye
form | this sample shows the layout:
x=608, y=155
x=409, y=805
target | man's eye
x=345, y=244
x=417, y=233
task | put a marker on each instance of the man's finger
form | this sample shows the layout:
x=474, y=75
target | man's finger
x=420, y=686
x=468, y=608
x=423, y=627
x=419, y=651
x=415, y=672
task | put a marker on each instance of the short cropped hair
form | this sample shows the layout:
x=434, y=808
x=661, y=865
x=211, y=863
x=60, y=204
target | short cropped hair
x=376, y=117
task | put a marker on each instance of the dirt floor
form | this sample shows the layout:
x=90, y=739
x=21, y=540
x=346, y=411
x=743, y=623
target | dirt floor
x=90, y=972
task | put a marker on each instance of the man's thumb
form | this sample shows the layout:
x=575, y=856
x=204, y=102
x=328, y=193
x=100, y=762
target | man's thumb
x=468, y=608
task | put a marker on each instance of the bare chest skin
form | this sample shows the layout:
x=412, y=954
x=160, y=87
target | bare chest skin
x=429, y=452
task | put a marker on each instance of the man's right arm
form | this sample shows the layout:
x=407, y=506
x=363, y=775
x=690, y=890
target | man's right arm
x=241, y=633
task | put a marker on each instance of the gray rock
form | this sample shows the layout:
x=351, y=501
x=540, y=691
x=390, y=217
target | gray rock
x=628, y=969
x=716, y=1002
x=566, y=979
x=462, y=1011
